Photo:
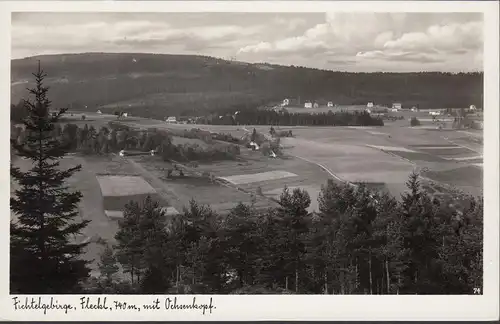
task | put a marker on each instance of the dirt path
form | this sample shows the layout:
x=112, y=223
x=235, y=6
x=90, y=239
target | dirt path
x=161, y=188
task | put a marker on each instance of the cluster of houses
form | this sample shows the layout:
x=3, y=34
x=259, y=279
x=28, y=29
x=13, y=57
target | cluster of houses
x=307, y=104
x=371, y=107
x=397, y=106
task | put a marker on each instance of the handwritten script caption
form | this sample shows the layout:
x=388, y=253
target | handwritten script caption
x=112, y=304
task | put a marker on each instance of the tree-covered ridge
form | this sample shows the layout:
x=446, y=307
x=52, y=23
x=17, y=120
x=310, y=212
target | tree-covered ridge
x=162, y=85
x=360, y=242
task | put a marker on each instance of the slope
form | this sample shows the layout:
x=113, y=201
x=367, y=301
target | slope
x=156, y=84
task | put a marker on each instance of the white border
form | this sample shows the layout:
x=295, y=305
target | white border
x=246, y=307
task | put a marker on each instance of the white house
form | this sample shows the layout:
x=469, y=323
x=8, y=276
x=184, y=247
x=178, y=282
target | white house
x=369, y=105
x=472, y=107
x=99, y=112
x=397, y=105
x=254, y=146
x=414, y=109
x=308, y=105
x=329, y=104
x=171, y=120
x=125, y=115
x=286, y=102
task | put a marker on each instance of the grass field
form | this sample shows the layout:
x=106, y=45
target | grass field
x=258, y=177
x=90, y=207
x=112, y=185
x=177, y=140
x=195, y=186
x=418, y=156
x=464, y=176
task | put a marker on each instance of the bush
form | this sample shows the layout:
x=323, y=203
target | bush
x=414, y=122
x=83, y=117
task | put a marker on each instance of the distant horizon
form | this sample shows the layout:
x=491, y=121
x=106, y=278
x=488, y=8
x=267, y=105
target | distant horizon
x=227, y=59
x=335, y=41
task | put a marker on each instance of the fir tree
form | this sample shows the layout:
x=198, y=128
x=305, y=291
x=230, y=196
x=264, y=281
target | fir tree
x=241, y=242
x=108, y=265
x=253, y=138
x=293, y=218
x=153, y=236
x=129, y=245
x=43, y=257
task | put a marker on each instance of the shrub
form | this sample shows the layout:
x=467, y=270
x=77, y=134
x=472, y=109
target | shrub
x=414, y=122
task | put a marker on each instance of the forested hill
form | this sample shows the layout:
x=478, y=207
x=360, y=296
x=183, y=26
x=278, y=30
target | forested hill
x=185, y=84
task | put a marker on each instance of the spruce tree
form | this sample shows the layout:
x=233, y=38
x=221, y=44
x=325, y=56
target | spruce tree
x=108, y=264
x=43, y=257
x=293, y=218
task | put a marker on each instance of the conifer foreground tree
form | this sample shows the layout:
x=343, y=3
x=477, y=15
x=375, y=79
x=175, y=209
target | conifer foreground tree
x=43, y=257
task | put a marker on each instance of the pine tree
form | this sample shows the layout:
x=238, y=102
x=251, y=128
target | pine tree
x=293, y=219
x=141, y=248
x=242, y=242
x=419, y=224
x=108, y=264
x=129, y=249
x=43, y=257
x=253, y=138
x=153, y=238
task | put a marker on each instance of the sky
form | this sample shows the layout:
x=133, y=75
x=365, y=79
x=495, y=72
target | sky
x=341, y=41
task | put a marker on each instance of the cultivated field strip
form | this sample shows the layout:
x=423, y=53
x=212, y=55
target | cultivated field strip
x=124, y=186
x=258, y=177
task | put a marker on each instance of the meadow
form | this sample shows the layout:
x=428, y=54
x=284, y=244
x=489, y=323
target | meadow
x=381, y=157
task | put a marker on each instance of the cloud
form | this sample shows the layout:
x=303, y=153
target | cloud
x=392, y=37
x=360, y=41
x=287, y=46
x=450, y=37
x=290, y=24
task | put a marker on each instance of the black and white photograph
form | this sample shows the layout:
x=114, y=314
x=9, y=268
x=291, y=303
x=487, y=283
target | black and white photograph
x=247, y=153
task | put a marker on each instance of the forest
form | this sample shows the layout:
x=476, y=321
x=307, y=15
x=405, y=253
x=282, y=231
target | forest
x=102, y=141
x=158, y=86
x=262, y=117
x=360, y=242
x=271, y=117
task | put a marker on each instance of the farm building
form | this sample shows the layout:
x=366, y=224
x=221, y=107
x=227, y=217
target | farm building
x=308, y=105
x=286, y=102
x=171, y=120
x=329, y=104
x=397, y=105
x=369, y=105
